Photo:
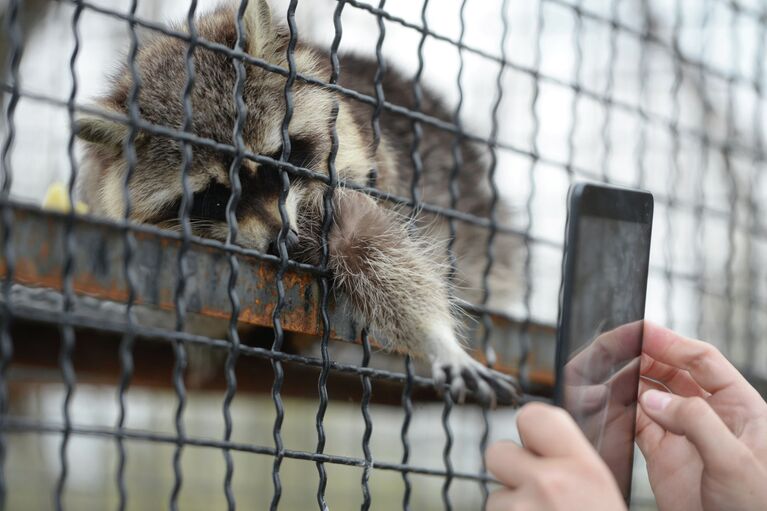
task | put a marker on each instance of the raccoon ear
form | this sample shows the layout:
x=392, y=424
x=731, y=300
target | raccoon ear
x=259, y=28
x=100, y=131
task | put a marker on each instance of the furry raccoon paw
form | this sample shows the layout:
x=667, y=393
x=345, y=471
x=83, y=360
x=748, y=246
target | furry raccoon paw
x=461, y=374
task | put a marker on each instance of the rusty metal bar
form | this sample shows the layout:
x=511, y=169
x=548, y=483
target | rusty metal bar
x=98, y=264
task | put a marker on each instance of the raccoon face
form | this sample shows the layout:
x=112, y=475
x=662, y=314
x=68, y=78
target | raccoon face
x=155, y=185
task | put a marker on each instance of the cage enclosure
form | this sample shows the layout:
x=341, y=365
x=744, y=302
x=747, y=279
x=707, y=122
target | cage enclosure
x=198, y=339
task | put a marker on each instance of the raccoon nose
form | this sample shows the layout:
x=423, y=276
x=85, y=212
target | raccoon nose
x=291, y=242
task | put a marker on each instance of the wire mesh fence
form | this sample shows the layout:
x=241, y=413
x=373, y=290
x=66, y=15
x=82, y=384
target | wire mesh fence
x=486, y=111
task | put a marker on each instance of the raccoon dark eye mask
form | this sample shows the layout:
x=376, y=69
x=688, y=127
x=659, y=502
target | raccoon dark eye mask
x=302, y=152
x=211, y=202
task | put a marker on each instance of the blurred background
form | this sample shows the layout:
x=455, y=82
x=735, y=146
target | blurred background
x=662, y=95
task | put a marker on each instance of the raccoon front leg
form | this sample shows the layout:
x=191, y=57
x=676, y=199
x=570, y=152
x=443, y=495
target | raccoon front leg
x=393, y=283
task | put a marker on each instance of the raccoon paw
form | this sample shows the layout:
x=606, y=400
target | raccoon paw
x=460, y=373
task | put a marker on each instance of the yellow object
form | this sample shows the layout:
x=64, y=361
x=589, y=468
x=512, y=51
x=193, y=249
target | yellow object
x=57, y=199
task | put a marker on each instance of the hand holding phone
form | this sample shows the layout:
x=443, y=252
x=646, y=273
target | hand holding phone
x=704, y=435
x=599, y=343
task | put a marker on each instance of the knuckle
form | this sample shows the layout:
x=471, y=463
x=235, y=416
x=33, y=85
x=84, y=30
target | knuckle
x=646, y=364
x=706, y=357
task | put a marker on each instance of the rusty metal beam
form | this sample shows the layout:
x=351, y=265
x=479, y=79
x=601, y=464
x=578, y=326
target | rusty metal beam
x=38, y=245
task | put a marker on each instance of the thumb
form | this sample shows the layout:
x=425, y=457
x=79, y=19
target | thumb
x=694, y=418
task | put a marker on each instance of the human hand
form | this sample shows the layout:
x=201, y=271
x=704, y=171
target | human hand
x=555, y=469
x=706, y=441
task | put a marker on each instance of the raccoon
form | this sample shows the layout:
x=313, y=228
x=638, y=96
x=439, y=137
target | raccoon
x=389, y=265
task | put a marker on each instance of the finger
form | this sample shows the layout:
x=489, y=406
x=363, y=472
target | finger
x=648, y=433
x=676, y=380
x=694, y=418
x=502, y=499
x=510, y=463
x=550, y=431
x=707, y=366
x=610, y=349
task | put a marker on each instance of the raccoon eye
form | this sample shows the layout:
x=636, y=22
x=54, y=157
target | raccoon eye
x=211, y=202
x=301, y=152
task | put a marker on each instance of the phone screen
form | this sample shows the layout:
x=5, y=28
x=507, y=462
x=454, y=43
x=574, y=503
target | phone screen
x=600, y=332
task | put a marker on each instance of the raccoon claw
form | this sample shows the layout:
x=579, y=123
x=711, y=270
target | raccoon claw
x=465, y=374
x=506, y=388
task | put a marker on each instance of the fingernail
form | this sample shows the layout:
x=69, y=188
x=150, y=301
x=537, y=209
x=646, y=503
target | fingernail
x=656, y=400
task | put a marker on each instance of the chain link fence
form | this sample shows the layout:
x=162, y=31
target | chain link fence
x=145, y=367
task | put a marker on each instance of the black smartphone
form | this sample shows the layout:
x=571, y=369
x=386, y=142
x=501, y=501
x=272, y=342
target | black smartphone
x=601, y=313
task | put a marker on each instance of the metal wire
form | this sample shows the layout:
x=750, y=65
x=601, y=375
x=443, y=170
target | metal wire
x=367, y=387
x=327, y=223
x=525, y=345
x=279, y=334
x=642, y=100
x=700, y=190
x=231, y=218
x=674, y=170
x=179, y=351
x=449, y=471
x=487, y=324
x=407, y=405
x=457, y=141
x=577, y=78
x=733, y=192
x=127, y=342
x=454, y=196
x=752, y=314
x=67, y=332
x=415, y=195
x=13, y=31
x=608, y=92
